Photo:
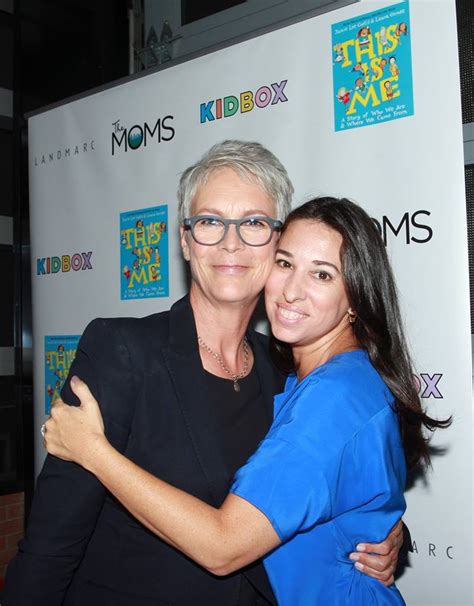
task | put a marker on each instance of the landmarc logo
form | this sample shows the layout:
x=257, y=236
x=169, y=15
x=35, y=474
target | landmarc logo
x=64, y=153
x=433, y=550
x=65, y=263
x=246, y=101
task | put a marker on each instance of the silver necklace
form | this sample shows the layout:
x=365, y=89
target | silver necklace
x=218, y=359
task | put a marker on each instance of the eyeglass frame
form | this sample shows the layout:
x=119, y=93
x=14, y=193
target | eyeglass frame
x=274, y=224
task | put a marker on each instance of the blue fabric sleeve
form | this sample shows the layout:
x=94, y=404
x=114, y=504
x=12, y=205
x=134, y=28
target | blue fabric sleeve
x=283, y=482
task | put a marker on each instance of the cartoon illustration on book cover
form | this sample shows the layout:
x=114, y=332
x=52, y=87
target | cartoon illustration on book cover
x=144, y=253
x=372, y=72
x=59, y=353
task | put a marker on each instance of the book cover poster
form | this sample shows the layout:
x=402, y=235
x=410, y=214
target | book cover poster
x=144, y=253
x=372, y=72
x=59, y=353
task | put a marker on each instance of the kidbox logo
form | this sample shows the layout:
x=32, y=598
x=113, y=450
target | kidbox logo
x=427, y=385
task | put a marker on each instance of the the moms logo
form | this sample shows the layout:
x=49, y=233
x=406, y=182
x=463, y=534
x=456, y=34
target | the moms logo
x=413, y=227
x=246, y=101
x=427, y=385
x=138, y=135
x=65, y=263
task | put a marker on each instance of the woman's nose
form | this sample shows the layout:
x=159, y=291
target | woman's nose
x=231, y=241
x=294, y=289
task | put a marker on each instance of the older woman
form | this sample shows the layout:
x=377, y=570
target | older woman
x=186, y=395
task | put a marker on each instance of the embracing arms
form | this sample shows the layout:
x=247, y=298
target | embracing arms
x=221, y=540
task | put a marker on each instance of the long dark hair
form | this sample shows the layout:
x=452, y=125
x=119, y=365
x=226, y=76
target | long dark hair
x=378, y=328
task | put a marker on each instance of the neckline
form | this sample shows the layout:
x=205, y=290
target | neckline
x=315, y=370
x=243, y=379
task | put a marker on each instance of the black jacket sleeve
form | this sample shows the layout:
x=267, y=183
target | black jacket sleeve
x=68, y=499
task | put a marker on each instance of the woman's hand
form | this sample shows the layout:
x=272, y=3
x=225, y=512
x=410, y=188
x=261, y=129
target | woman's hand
x=380, y=560
x=72, y=433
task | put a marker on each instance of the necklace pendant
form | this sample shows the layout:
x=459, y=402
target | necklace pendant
x=235, y=378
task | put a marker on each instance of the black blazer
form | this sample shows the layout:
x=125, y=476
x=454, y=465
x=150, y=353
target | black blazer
x=82, y=547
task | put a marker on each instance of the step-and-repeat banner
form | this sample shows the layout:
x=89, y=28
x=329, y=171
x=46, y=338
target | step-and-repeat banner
x=360, y=102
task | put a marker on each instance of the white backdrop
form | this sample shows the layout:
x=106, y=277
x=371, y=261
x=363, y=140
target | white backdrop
x=392, y=168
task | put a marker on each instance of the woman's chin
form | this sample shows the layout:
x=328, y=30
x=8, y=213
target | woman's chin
x=234, y=294
x=282, y=334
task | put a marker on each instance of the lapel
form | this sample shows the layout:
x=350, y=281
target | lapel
x=189, y=380
x=271, y=380
x=271, y=383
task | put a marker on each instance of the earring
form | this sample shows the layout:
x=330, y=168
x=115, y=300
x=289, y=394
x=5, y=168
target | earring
x=352, y=316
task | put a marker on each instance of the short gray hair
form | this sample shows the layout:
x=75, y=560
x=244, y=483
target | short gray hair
x=248, y=158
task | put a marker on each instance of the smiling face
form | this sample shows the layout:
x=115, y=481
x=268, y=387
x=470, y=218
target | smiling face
x=231, y=271
x=305, y=295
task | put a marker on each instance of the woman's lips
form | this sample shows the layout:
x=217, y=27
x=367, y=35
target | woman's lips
x=288, y=314
x=230, y=270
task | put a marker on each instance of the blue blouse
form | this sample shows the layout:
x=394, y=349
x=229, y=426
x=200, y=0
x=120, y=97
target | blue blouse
x=329, y=474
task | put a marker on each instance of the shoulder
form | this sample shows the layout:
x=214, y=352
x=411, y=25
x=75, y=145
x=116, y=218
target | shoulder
x=350, y=378
x=338, y=400
x=129, y=327
x=123, y=337
x=129, y=323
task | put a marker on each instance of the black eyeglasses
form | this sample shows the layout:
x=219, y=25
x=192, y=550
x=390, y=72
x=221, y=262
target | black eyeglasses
x=253, y=231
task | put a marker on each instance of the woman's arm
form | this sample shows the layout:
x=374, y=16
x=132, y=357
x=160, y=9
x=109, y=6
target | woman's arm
x=221, y=540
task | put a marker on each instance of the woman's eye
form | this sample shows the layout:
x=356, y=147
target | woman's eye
x=282, y=263
x=208, y=221
x=324, y=276
x=254, y=223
